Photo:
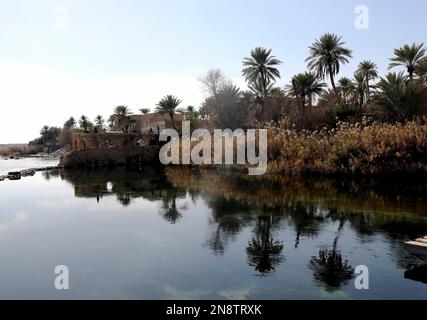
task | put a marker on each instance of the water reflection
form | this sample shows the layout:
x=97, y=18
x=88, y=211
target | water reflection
x=395, y=212
x=264, y=253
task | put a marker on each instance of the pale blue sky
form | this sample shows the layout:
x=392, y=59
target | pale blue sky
x=55, y=64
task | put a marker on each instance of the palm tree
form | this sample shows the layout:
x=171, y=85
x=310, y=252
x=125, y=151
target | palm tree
x=304, y=87
x=260, y=68
x=70, y=123
x=361, y=88
x=369, y=70
x=168, y=105
x=326, y=56
x=144, y=110
x=346, y=88
x=328, y=98
x=408, y=56
x=100, y=122
x=258, y=89
x=397, y=96
x=203, y=111
x=119, y=114
x=190, y=113
x=421, y=70
x=85, y=124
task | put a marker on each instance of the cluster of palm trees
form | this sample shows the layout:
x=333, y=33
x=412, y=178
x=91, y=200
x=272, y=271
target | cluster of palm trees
x=326, y=57
x=395, y=92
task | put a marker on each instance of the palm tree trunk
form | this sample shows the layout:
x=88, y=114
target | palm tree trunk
x=331, y=76
x=173, y=120
x=264, y=85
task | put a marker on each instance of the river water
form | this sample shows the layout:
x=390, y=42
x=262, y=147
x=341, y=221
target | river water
x=183, y=234
x=9, y=165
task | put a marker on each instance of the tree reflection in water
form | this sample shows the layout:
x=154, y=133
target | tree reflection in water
x=238, y=202
x=264, y=253
x=170, y=210
x=330, y=269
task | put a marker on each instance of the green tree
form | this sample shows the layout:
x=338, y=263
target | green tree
x=327, y=54
x=361, y=91
x=421, y=70
x=346, y=88
x=100, y=122
x=305, y=87
x=260, y=69
x=408, y=56
x=397, y=96
x=85, y=124
x=144, y=110
x=369, y=71
x=70, y=123
x=168, y=105
x=120, y=113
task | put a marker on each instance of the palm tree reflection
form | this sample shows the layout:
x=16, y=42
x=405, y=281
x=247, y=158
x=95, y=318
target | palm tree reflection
x=264, y=253
x=170, y=211
x=329, y=268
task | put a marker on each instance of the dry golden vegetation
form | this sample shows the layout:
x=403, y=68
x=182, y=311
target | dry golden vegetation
x=365, y=147
x=20, y=150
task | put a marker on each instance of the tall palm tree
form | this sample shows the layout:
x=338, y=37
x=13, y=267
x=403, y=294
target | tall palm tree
x=397, y=96
x=360, y=88
x=346, y=88
x=305, y=87
x=70, y=123
x=369, y=70
x=190, y=113
x=119, y=114
x=168, y=105
x=100, y=122
x=408, y=56
x=85, y=123
x=144, y=110
x=327, y=54
x=260, y=67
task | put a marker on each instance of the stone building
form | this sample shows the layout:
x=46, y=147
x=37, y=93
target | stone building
x=149, y=123
x=93, y=141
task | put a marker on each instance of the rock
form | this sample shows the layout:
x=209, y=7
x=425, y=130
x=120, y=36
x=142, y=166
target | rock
x=14, y=175
x=29, y=172
x=2, y=178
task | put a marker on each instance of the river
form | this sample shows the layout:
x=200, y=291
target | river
x=9, y=165
x=195, y=234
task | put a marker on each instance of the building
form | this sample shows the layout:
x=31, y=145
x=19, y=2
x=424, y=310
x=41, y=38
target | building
x=109, y=140
x=149, y=123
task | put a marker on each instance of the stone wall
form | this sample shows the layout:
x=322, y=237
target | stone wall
x=94, y=141
x=109, y=157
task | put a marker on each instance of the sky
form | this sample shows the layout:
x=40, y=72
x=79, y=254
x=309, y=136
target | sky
x=62, y=58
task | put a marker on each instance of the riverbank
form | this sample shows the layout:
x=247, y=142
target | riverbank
x=363, y=148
